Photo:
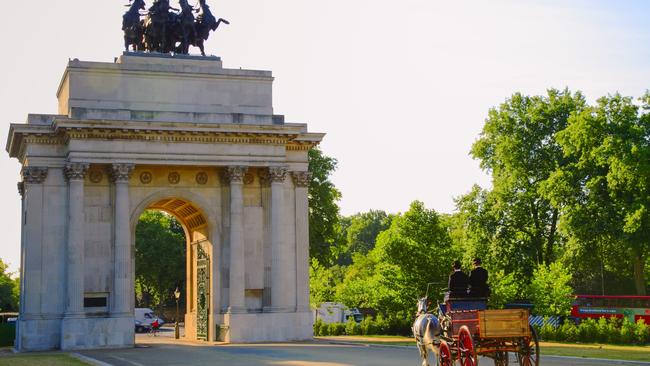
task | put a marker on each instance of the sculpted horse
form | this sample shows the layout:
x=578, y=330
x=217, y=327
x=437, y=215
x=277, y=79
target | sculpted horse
x=427, y=331
x=205, y=23
x=185, y=27
x=156, y=27
x=132, y=27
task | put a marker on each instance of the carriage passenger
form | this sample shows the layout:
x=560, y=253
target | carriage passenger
x=458, y=282
x=478, y=286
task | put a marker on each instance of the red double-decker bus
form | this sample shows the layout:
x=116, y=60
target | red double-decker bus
x=596, y=306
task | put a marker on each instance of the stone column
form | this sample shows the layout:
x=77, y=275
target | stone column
x=31, y=188
x=120, y=174
x=301, y=182
x=281, y=285
x=75, y=173
x=235, y=175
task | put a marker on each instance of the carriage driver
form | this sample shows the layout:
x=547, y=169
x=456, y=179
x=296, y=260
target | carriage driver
x=478, y=286
x=458, y=282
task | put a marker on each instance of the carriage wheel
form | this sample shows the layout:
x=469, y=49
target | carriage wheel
x=445, y=357
x=466, y=351
x=529, y=351
x=501, y=358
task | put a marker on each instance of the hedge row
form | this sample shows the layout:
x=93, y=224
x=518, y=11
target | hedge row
x=612, y=330
x=368, y=326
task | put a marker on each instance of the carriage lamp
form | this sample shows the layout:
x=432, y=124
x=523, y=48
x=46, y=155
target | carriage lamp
x=177, y=295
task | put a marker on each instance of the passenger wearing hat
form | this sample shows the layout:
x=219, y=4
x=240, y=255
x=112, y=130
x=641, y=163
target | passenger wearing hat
x=458, y=282
x=478, y=286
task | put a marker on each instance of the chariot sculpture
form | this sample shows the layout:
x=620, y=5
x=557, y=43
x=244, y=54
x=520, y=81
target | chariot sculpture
x=165, y=29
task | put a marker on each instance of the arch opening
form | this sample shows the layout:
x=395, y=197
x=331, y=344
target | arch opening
x=182, y=222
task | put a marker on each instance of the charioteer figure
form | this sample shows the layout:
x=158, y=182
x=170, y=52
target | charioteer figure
x=167, y=29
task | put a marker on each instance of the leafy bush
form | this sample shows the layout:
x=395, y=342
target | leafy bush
x=603, y=330
x=318, y=326
x=627, y=331
x=352, y=328
x=588, y=330
x=642, y=332
x=568, y=332
x=547, y=332
x=368, y=326
x=613, y=330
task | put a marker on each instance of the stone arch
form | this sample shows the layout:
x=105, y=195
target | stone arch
x=196, y=200
x=201, y=228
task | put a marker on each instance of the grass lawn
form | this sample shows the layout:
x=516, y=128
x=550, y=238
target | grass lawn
x=40, y=360
x=613, y=352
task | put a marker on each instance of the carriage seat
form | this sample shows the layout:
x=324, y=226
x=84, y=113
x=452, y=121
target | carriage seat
x=463, y=304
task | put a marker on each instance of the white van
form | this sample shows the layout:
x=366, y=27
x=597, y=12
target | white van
x=143, y=319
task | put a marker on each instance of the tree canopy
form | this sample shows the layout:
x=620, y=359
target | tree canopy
x=323, y=208
x=159, y=258
x=603, y=191
x=9, y=290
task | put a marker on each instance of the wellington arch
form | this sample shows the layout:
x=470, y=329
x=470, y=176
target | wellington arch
x=180, y=134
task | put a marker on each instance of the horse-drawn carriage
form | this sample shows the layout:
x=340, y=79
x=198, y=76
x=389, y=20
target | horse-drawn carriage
x=464, y=329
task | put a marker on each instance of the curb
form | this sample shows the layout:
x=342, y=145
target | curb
x=89, y=360
x=600, y=359
x=368, y=345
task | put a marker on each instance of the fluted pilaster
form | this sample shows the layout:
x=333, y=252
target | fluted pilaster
x=301, y=180
x=281, y=285
x=120, y=175
x=234, y=175
x=75, y=174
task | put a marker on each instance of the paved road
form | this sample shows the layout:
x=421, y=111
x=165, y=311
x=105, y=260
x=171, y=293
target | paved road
x=305, y=354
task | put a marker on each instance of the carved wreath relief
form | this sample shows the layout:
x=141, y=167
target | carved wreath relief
x=174, y=178
x=146, y=177
x=95, y=176
x=201, y=178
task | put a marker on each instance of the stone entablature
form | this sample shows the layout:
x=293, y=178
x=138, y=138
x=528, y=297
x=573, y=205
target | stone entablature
x=61, y=131
x=85, y=182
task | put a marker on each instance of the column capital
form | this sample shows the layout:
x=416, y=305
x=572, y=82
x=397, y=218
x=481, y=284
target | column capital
x=76, y=171
x=301, y=179
x=235, y=174
x=121, y=173
x=33, y=175
x=277, y=174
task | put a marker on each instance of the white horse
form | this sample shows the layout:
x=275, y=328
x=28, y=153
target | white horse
x=426, y=330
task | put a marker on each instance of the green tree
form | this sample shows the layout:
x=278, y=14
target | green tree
x=159, y=258
x=413, y=252
x=324, y=230
x=9, y=289
x=361, y=232
x=323, y=281
x=604, y=190
x=361, y=286
x=518, y=146
x=550, y=290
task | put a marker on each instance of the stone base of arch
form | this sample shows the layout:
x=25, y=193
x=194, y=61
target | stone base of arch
x=267, y=327
x=181, y=135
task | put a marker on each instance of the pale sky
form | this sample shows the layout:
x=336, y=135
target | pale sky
x=401, y=88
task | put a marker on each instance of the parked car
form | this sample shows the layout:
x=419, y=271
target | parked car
x=143, y=319
x=331, y=312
